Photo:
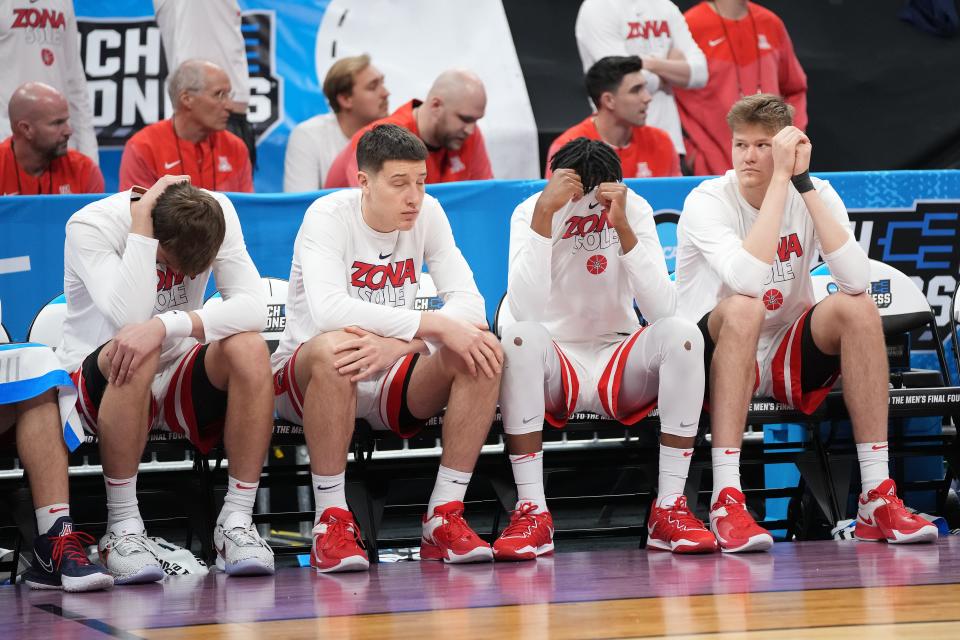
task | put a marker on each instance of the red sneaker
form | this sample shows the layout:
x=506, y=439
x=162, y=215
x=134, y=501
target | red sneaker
x=527, y=536
x=336, y=543
x=882, y=516
x=736, y=530
x=448, y=537
x=676, y=529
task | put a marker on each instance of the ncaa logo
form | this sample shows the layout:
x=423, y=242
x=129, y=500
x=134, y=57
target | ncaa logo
x=666, y=221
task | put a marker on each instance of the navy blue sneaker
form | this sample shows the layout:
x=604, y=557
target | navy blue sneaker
x=59, y=561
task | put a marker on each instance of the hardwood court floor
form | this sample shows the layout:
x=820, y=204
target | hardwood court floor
x=798, y=590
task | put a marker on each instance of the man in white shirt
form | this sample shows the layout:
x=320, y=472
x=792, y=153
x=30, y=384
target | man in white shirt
x=746, y=242
x=581, y=252
x=357, y=96
x=656, y=31
x=145, y=354
x=355, y=345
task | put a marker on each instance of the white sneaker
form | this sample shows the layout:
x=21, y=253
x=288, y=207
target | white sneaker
x=240, y=549
x=126, y=553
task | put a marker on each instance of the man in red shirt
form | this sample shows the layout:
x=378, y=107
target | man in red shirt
x=748, y=51
x=446, y=122
x=194, y=141
x=618, y=89
x=35, y=159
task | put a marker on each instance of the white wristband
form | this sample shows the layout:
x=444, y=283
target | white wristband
x=178, y=324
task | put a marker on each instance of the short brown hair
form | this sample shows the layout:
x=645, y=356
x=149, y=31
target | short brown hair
x=188, y=223
x=339, y=79
x=764, y=109
x=388, y=142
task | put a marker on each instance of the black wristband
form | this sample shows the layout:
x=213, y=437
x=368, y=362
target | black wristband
x=802, y=182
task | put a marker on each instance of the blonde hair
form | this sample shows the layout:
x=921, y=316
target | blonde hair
x=340, y=77
x=764, y=109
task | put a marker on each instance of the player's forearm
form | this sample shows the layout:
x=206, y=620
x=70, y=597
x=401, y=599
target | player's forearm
x=761, y=242
x=542, y=221
x=831, y=233
x=675, y=71
x=628, y=239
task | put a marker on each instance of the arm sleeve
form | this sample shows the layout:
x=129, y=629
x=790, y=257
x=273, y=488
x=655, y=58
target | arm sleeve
x=451, y=273
x=597, y=33
x=301, y=171
x=793, y=80
x=135, y=169
x=324, y=278
x=702, y=223
x=244, y=305
x=478, y=164
x=646, y=268
x=685, y=44
x=122, y=287
x=81, y=112
x=529, y=273
x=849, y=265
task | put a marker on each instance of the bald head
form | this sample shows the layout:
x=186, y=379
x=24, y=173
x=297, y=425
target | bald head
x=40, y=119
x=31, y=98
x=454, y=103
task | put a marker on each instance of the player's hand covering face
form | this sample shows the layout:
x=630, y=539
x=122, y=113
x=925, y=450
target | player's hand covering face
x=612, y=196
x=564, y=186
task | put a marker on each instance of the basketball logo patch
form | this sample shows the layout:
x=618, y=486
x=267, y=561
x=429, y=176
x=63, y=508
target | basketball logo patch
x=772, y=299
x=596, y=264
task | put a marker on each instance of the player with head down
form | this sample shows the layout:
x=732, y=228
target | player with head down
x=146, y=354
x=745, y=245
x=581, y=252
x=355, y=346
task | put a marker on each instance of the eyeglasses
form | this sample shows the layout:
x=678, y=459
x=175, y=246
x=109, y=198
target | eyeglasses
x=222, y=96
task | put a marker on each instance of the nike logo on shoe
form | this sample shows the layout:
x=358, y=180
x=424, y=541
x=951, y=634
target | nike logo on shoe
x=384, y=257
x=867, y=520
x=170, y=165
x=47, y=566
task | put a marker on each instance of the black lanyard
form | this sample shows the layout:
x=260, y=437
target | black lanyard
x=733, y=53
x=213, y=157
x=16, y=166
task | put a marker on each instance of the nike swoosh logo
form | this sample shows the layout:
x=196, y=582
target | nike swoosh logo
x=241, y=486
x=714, y=43
x=731, y=452
x=118, y=484
x=170, y=165
x=58, y=510
x=867, y=521
x=879, y=447
x=593, y=206
x=384, y=257
x=525, y=457
x=48, y=565
x=333, y=486
x=683, y=426
x=687, y=454
x=529, y=420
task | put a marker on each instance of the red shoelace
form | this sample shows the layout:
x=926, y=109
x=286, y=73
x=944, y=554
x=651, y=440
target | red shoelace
x=339, y=533
x=71, y=546
x=520, y=520
x=683, y=516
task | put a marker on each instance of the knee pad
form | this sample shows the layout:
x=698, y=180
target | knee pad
x=525, y=340
x=679, y=335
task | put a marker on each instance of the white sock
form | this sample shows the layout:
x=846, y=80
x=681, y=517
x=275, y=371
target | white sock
x=674, y=466
x=49, y=514
x=528, y=474
x=451, y=486
x=726, y=470
x=123, y=514
x=874, y=460
x=328, y=491
x=240, y=498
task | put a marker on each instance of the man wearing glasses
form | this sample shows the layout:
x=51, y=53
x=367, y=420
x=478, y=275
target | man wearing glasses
x=194, y=141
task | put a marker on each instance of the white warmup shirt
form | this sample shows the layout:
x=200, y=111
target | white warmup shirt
x=642, y=28
x=577, y=283
x=112, y=278
x=311, y=149
x=208, y=30
x=712, y=263
x=39, y=43
x=344, y=273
